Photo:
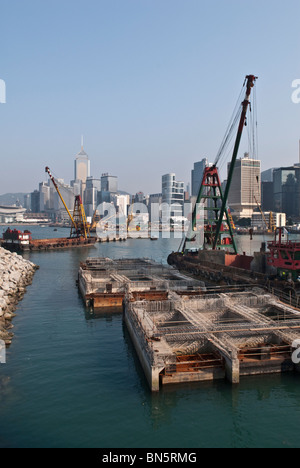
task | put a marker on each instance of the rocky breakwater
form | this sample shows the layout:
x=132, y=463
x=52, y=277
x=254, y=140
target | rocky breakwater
x=16, y=274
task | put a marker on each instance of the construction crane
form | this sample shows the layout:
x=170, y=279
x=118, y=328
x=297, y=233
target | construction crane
x=79, y=225
x=95, y=221
x=271, y=226
x=130, y=218
x=231, y=219
x=218, y=234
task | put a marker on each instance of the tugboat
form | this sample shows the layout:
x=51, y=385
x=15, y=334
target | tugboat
x=15, y=240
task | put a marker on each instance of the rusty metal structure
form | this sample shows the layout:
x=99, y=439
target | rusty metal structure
x=104, y=283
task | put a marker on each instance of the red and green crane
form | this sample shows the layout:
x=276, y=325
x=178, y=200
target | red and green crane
x=218, y=232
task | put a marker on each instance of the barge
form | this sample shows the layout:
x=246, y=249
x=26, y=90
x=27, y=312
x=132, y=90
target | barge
x=17, y=241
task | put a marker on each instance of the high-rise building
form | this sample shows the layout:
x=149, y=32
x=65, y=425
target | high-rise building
x=122, y=202
x=245, y=190
x=109, y=183
x=37, y=201
x=197, y=176
x=77, y=187
x=267, y=176
x=93, y=186
x=67, y=194
x=267, y=196
x=44, y=188
x=287, y=190
x=82, y=168
x=27, y=201
x=154, y=206
x=173, y=194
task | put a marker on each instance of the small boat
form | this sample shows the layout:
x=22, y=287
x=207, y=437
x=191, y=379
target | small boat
x=154, y=238
x=15, y=240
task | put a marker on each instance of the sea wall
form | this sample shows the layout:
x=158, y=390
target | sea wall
x=16, y=274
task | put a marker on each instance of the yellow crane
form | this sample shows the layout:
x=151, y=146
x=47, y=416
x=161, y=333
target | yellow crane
x=271, y=225
x=95, y=221
x=231, y=219
x=130, y=218
x=79, y=225
x=97, y=218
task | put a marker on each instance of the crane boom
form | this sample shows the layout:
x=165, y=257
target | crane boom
x=79, y=227
x=262, y=213
x=60, y=195
x=250, y=79
x=218, y=221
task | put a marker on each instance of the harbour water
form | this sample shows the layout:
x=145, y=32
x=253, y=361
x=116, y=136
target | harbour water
x=72, y=379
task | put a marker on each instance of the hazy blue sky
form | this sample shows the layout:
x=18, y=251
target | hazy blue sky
x=150, y=83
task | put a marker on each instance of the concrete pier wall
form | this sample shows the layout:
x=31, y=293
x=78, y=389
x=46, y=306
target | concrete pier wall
x=152, y=371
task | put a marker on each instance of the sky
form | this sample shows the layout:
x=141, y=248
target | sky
x=151, y=84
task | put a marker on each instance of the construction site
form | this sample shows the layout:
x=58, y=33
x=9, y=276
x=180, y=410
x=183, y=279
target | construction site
x=104, y=283
x=214, y=313
x=213, y=336
x=185, y=332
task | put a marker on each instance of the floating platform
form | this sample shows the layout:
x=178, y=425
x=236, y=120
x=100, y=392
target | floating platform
x=104, y=283
x=184, y=331
x=194, y=339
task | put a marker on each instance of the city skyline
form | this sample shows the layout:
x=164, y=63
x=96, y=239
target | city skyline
x=147, y=84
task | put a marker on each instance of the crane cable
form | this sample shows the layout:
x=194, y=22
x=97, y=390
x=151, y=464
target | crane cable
x=230, y=131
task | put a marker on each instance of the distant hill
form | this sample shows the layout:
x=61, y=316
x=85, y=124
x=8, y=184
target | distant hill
x=10, y=199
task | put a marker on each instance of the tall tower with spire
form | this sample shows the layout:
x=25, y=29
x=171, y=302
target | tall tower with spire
x=82, y=167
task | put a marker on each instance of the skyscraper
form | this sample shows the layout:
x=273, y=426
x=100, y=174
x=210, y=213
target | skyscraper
x=245, y=191
x=109, y=183
x=93, y=186
x=173, y=194
x=197, y=176
x=287, y=190
x=82, y=167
